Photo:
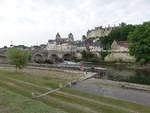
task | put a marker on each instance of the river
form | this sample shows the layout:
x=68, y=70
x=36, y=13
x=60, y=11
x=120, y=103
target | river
x=122, y=73
x=119, y=73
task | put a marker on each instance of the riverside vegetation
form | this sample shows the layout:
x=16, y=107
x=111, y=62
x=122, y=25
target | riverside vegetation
x=138, y=37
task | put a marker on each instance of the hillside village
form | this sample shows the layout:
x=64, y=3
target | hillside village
x=68, y=49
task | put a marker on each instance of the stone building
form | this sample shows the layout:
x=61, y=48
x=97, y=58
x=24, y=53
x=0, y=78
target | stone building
x=93, y=45
x=61, y=44
x=120, y=52
x=56, y=50
x=60, y=40
x=99, y=32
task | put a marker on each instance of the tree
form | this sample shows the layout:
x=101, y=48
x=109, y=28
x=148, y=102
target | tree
x=119, y=34
x=140, y=42
x=104, y=54
x=18, y=57
x=123, y=24
x=87, y=55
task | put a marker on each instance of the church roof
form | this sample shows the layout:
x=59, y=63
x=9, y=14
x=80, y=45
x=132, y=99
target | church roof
x=123, y=43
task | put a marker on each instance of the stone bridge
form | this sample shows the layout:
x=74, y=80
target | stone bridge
x=52, y=56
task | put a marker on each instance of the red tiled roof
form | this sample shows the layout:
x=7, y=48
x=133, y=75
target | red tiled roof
x=122, y=42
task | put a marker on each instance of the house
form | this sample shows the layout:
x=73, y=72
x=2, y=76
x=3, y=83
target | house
x=120, y=46
x=120, y=52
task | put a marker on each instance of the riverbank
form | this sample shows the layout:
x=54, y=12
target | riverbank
x=19, y=86
x=120, y=64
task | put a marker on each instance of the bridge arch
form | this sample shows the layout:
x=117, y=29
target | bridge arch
x=38, y=58
x=67, y=56
x=54, y=58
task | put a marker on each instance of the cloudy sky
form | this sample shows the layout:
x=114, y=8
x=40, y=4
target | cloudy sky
x=31, y=22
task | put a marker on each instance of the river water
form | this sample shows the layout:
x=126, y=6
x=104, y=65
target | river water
x=121, y=73
x=140, y=76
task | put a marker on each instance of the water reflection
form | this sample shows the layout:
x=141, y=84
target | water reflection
x=128, y=75
x=141, y=77
x=121, y=73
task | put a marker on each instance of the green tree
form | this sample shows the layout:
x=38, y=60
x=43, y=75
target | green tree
x=18, y=57
x=119, y=34
x=104, y=54
x=87, y=55
x=140, y=42
x=123, y=24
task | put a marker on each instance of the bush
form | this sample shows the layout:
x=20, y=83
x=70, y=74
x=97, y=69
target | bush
x=87, y=55
x=104, y=54
x=142, y=61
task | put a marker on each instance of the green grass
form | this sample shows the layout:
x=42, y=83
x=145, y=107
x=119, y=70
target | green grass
x=11, y=102
x=60, y=101
x=95, y=106
x=41, y=80
x=133, y=106
x=27, y=93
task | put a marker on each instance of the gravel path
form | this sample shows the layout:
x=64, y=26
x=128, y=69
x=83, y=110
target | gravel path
x=136, y=96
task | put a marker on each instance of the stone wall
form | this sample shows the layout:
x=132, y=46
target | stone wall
x=99, y=32
x=121, y=56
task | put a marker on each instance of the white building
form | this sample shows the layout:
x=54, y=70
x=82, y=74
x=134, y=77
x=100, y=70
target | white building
x=64, y=47
x=95, y=49
x=51, y=45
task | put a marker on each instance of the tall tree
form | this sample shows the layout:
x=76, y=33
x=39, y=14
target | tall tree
x=140, y=42
x=18, y=57
x=119, y=34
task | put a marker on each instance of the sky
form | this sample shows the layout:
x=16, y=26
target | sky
x=32, y=22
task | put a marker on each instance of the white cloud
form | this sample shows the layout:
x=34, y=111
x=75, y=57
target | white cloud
x=35, y=21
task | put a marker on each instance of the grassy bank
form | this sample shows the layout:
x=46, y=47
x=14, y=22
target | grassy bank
x=17, y=88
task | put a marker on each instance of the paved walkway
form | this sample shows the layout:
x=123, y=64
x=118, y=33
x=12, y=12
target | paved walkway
x=136, y=96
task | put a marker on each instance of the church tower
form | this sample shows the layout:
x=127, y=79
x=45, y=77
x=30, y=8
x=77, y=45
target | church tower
x=58, y=38
x=71, y=37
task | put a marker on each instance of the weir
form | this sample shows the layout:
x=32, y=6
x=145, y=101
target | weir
x=99, y=72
